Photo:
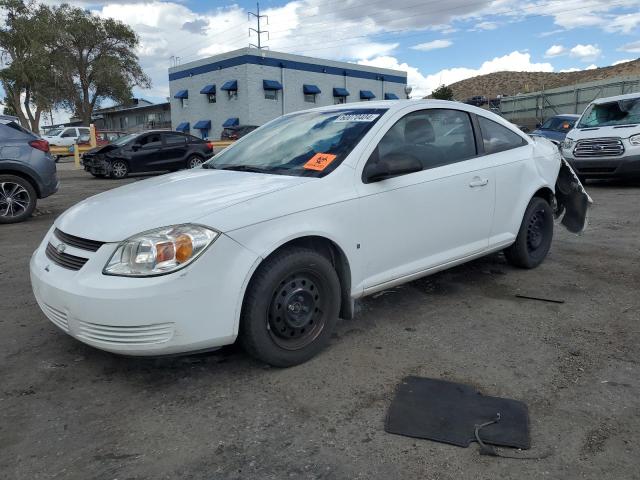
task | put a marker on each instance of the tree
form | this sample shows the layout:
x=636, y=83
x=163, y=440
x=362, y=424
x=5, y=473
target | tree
x=8, y=108
x=96, y=60
x=442, y=93
x=27, y=76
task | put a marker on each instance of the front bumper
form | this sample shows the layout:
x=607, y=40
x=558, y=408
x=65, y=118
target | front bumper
x=606, y=167
x=193, y=309
x=96, y=165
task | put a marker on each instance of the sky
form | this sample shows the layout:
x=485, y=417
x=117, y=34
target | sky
x=435, y=41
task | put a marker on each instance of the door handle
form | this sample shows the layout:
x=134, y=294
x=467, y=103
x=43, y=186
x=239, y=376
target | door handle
x=478, y=182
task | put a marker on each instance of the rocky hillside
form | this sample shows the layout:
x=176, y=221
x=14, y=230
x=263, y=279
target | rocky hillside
x=510, y=83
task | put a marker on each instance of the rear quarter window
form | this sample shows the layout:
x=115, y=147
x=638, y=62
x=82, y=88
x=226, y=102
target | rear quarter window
x=498, y=138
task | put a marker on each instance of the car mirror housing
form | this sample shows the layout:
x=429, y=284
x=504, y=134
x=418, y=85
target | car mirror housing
x=390, y=166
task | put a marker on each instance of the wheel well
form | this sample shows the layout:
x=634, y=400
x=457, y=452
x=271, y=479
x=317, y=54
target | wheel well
x=334, y=253
x=23, y=176
x=547, y=194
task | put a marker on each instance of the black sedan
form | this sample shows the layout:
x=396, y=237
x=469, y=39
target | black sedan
x=150, y=151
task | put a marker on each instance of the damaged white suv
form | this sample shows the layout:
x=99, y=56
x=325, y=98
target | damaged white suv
x=273, y=239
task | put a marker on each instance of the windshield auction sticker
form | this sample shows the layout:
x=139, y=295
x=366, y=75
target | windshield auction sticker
x=319, y=161
x=357, y=117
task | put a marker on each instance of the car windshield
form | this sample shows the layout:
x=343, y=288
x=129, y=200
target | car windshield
x=622, y=112
x=54, y=132
x=558, y=124
x=125, y=139
x=310, y=143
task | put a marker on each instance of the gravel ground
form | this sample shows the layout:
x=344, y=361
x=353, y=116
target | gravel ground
x=68, y=411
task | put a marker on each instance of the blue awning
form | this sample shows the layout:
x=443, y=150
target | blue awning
x=391, y=96
x=182, y=94
x=310, y=89
x=340, y=92
x=183, y=127
x=271, y=85
x=231, y=122
x=366, y=95
x=203, y=125
x=231, y=86
x=208, y=89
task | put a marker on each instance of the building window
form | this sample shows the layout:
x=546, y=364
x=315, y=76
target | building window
x=184, y=102
x=339, y=100
x=310, y=97
x=211, y=97
x=233, y=94
x=271, y=94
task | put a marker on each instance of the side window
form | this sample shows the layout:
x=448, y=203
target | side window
x=497, y=138
x=174, y=139
x=69, y=132
x=151, y=140
x=84, y=131
x=435, y=137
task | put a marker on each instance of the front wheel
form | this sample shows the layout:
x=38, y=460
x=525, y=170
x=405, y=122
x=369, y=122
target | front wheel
x=291, y=307
x=119, y=169
x=534, y=237
x=194, y=162
x=17, y=199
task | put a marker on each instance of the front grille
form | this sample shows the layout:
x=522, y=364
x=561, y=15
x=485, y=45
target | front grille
x=126, y=335
x=58, y=317
x=599, y=147
x=64, y=259
x=77, y=242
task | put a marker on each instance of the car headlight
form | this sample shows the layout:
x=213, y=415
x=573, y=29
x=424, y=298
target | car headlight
x=634, y=139
x=567, y=143
x=160, y=251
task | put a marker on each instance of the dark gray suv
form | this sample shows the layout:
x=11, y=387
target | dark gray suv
x=27, y=171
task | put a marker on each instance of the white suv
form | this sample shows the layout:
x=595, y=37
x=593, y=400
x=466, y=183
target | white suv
x=605, y=141
x=65, y=137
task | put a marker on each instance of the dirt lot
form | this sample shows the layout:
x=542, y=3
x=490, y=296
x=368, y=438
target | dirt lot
x=68, y=411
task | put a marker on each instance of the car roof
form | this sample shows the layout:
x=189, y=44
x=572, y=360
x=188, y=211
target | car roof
x=627, y=96
x=572, y=116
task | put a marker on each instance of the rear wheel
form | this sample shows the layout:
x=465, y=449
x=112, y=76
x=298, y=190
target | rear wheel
x=291, y=307
x=119, y=169
x=17, y=199
x=194, y=162
x=534, y=237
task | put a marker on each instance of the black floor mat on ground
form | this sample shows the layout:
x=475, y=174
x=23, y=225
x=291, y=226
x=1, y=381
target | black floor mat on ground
x=448, y=412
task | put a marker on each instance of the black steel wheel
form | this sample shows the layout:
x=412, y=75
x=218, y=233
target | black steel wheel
x=290, y=308
x=18, y=199
x=119, y=169
x=534, y=237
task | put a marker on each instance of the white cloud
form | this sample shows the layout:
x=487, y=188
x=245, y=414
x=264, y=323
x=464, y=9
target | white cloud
x=585, y=53
x=624, y=60
x=485, y=26
x=633, y=47
x=554, y=51
x=591, y=67
x=623, y=23
x=433, y=45
x=425, y=84
x=569, y=70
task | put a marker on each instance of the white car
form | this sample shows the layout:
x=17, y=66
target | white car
x=605, y=141
x=275, y=237
x=65, y=137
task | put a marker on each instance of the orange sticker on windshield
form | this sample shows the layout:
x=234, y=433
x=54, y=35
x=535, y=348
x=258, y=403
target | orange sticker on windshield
x=319, y=161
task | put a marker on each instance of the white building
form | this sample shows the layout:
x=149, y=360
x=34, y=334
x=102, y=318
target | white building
x=250, y=87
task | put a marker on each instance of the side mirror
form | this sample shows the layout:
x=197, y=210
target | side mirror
x=538, y=125
x=135, y=147
x=390, y=166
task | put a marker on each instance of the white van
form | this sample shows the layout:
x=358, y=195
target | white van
x=605, y=141
x=65, y=136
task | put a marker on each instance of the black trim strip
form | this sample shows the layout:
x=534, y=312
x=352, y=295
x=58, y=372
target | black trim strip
x=77, y=242
x=65, y=260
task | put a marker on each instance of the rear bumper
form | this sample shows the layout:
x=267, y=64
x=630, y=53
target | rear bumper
x=607, y=167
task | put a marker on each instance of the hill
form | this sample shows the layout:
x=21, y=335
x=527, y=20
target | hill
x=510, y=83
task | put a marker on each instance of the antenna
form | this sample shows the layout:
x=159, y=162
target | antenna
x=259, y=32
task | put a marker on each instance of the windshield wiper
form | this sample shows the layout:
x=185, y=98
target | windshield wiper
x=246, y=168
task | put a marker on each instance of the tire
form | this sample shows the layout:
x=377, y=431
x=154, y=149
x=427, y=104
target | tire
x=98, y=175
x=194, y=161
x=534, y=237
x=119, y=169
x=290, y=308
x=18, y=199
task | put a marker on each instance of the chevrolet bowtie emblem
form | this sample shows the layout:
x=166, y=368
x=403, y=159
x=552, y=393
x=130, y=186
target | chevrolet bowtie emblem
x=61, y=248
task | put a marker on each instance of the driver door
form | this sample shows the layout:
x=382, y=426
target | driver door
x=418, y=221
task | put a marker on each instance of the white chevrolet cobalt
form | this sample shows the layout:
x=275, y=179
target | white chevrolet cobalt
x=274, y=238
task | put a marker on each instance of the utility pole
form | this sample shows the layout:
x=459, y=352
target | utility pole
x=258, y=31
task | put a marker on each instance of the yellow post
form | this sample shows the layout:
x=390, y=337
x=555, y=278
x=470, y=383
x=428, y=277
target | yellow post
x=76, y=155
x=92, y=136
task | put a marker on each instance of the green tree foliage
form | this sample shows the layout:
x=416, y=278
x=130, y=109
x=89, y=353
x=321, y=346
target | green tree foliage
x=442, y=93
x=8, y=108
x=97, y=60
x=64, y=56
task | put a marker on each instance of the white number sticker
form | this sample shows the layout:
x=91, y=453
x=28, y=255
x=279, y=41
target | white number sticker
x=357, y=117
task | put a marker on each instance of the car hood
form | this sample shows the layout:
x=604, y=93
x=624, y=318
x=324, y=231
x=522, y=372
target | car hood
x=622, y=131
x=171, y=199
